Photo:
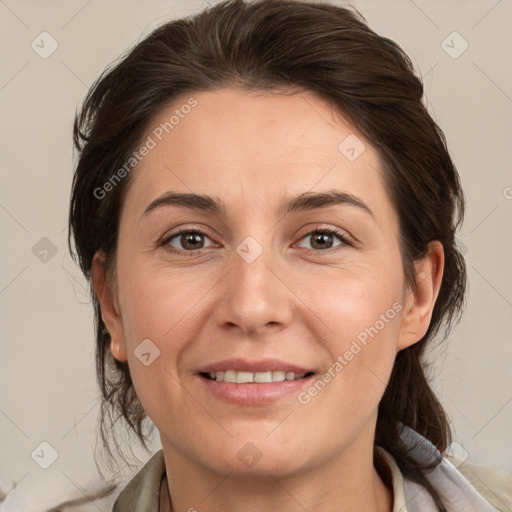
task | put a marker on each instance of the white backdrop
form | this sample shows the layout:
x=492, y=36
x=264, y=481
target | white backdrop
x=52, y=52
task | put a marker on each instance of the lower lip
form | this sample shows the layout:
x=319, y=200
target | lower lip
x=254, y=394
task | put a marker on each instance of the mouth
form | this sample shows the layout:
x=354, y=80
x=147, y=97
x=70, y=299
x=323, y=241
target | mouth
x=254, y=383
x=245, y=377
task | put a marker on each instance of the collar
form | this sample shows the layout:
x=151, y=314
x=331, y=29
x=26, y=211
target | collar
x=454, y=490
x=142, y=493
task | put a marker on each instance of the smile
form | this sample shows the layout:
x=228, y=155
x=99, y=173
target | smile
x=243, y=377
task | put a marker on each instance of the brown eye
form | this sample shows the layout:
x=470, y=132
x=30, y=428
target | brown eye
x=322, y=239
x=186, y=240
x=191, y=241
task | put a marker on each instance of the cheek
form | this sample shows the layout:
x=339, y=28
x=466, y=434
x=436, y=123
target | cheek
x=155, y=317
x=155, y=309
x=355, y=303
x=158, y=304
x=360, y=312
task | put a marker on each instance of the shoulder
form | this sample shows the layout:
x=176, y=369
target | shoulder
x=459, y=484
x=493, y=485
x=142, y=492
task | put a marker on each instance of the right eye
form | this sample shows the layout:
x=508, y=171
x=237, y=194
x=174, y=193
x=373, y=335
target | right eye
x=190, y=240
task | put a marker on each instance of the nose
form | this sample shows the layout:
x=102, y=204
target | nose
x=255, y=296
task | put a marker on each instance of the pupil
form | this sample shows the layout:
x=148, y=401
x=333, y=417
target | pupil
x=325, y=237
x=189, y=239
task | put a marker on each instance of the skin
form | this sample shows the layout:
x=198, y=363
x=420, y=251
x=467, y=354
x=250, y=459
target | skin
x=295, y=302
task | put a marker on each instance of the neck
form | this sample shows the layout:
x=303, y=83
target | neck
x=348, y=482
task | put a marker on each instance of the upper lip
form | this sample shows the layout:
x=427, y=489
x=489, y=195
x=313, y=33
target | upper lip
x=245, y=365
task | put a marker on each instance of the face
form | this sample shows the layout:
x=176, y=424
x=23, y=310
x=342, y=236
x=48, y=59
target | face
x=290, y=269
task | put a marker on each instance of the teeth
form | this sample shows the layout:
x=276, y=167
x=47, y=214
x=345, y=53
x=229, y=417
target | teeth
x=262, y=377
x=255, y=377
x=229, y=376
x=278, y=376
x=243, y=377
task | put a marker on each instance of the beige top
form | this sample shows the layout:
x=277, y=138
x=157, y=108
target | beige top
x=397, y=481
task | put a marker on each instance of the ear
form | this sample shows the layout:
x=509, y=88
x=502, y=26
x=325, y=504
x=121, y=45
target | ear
x=420, y=301
x=109, y=309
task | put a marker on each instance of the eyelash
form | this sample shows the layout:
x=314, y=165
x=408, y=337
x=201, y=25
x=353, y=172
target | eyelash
x=332, y=231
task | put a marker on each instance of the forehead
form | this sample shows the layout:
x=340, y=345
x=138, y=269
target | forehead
x=252, y=148
x=240, y=125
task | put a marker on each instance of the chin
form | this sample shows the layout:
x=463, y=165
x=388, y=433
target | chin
x=259, y=456
x=272, y=466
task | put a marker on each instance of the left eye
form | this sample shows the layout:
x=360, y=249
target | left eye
x=322, y=237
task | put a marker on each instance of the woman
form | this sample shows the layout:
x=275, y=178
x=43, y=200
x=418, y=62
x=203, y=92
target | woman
x=266, y=213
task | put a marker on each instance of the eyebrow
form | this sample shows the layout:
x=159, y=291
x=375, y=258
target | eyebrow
x=303, y=202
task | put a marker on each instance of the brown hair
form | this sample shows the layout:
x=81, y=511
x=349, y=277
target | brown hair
x=271, y=45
